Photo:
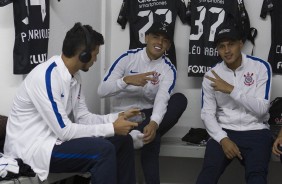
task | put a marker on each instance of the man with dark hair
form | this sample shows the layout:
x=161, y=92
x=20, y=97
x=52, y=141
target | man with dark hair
x=144, y=78
x=235, y=102
x=51, y=129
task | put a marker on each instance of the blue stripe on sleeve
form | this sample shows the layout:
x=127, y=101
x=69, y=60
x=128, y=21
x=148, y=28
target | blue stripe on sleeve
x=50, y=95
x=202, y=99
x=174, y=74
x=267, y=89
x=118, y=60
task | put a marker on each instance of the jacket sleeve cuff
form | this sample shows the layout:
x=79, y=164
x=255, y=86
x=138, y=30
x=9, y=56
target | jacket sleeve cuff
x=156, y=119
x=113, y=117
x=121, y=84
x=220, y=136
x=108, y=129
x=236, y=92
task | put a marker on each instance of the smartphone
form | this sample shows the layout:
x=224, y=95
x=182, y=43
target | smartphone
x=139, y=118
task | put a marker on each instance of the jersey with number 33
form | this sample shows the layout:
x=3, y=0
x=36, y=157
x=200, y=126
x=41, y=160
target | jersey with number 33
x=142, y=13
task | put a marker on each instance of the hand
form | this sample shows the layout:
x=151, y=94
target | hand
x=220, y=84
x=139, y=79
x=276, y=144
x=230, y=149
x=122, y=126
x=150, y=132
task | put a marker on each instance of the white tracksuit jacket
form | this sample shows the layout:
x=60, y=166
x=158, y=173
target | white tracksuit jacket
x=152, y=95
x=246, y=108
x=39, y=115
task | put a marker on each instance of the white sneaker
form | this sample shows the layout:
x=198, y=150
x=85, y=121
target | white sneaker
x=137, y=137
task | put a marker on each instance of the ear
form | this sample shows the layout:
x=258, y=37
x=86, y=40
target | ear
x=168, y=47
x=146, y=38
x=241, y=44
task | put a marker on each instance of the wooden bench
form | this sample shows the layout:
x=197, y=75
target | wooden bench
x=174, y=147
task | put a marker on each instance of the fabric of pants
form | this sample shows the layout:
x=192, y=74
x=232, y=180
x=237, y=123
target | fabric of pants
x=255, y=147
x=109, y=161
x=150, y=152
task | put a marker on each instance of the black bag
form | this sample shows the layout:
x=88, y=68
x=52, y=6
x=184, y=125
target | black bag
x=24, y=170
x=275, y=112
x=197, y=136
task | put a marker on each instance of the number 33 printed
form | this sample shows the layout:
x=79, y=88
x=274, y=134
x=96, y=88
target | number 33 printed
x=199, y=22
x=149, y=14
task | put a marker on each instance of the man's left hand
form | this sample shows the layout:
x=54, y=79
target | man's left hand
x=230, y=149
x=150, y=132
x=219, y=84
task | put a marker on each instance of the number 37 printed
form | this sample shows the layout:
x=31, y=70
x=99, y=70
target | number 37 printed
x=199, y=22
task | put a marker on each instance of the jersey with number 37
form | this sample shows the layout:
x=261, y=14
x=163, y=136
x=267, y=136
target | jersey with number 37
x=205, y=16
x=142, y=13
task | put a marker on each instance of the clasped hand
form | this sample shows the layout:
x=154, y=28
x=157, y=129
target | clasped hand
x=122, y=126
x=150, y=132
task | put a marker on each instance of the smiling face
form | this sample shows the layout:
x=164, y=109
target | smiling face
x=230, y=52
x=157, y=44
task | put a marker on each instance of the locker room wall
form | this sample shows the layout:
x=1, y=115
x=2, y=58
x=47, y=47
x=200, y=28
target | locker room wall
x=102, y=15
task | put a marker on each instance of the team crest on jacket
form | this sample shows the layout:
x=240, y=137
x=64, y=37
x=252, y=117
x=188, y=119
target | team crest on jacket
x=156, y=78
x=249, y=79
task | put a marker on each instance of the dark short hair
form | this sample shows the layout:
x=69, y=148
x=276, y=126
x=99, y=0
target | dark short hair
x=75, y=40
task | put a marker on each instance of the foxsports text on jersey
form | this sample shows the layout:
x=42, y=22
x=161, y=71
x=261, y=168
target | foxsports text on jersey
x=198, y=69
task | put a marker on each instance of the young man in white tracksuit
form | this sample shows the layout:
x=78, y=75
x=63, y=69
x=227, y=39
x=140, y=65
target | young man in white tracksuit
x=144, y=78
x=51, y=129
x=235, y=102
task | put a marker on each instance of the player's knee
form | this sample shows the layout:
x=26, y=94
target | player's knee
x=180, y=100
x=128, y=139
x=107, y=148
